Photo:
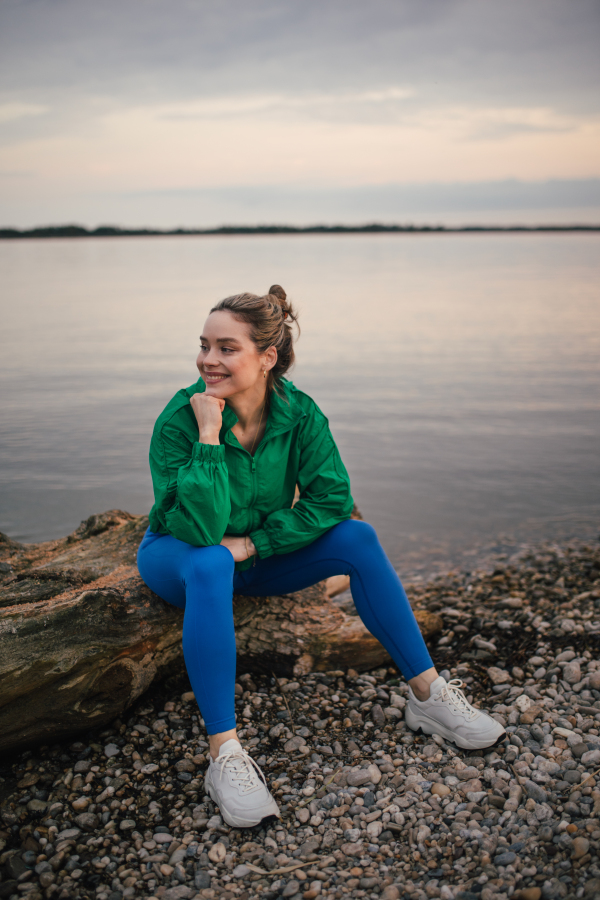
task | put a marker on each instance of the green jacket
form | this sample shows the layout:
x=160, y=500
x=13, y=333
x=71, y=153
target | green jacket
x=204, y=491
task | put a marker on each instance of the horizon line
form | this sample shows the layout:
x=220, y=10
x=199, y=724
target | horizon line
x=80, y=231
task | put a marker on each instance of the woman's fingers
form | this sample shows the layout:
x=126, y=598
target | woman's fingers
x=206, y=406
x=239, y=547
x=208, y=411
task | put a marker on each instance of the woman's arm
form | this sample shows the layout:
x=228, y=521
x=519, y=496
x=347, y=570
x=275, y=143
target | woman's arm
x=191, y=487
x=325, y=498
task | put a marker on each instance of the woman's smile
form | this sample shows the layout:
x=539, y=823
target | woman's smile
x=214, y=377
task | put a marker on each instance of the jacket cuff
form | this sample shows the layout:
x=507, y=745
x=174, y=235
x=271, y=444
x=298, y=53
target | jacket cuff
x=261, y=541
x=205, y=452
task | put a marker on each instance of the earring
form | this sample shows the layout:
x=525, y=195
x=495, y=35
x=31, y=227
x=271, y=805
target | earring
x=264, y=373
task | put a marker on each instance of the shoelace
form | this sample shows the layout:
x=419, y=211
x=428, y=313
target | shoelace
x=244, y=770
x=452, y=693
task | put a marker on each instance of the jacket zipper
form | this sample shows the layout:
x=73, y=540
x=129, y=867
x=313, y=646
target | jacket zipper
x=253, y=494
x=253, y=470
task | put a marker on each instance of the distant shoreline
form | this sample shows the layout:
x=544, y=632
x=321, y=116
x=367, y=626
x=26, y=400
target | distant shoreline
x=77, y=231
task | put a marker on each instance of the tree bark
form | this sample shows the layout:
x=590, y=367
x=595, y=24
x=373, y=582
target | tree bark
x=82, y=637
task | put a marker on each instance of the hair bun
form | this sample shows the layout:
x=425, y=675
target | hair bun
x=277, y=291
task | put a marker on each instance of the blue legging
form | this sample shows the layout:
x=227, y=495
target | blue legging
x=202, y=581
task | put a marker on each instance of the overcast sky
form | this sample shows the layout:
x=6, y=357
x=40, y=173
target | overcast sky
x=200, y=112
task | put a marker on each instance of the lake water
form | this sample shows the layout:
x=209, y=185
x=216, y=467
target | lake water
x=459, y=374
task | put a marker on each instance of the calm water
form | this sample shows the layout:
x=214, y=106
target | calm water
x=459, y=374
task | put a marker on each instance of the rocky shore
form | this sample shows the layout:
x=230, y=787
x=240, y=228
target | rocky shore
x=369, y=809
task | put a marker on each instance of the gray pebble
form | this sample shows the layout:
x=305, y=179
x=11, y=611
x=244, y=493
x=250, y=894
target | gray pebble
x=591, y=759
x=579, y=748
x=241, y=871
x=202, y=879
x=572, y=673
x=536, y=792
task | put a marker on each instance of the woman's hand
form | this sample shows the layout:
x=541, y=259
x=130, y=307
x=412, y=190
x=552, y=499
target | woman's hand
x=240, y=547
x=208, y=411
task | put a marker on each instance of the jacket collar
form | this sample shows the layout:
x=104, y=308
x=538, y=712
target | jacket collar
x=282, y=415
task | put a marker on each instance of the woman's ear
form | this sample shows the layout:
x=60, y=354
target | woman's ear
x=270, y=357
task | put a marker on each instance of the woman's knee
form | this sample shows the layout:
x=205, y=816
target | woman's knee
x=210, y=564
x=356, y=534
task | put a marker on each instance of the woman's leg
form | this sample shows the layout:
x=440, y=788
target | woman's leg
x=351, y=548
x=199, y=580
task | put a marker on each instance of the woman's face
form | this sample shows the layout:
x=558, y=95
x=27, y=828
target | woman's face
x=229, y=361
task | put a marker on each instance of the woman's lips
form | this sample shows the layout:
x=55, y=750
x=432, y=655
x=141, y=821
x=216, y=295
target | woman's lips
x=214, y=378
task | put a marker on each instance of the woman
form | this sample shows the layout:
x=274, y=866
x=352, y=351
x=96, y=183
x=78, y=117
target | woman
x=226, y=456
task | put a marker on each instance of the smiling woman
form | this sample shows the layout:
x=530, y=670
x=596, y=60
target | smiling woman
x=226, y=456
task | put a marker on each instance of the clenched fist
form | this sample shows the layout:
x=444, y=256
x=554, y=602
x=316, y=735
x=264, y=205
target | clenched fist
x=240, y=547
x=208, y=411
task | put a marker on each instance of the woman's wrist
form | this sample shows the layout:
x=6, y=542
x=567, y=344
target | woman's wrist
x=208, y=437
x=250, y=548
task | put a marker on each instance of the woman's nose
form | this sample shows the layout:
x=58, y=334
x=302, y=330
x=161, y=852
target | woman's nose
x=210, y=358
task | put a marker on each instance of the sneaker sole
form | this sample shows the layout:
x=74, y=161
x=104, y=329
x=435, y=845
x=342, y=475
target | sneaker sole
x=233, y=821
x=430, y=726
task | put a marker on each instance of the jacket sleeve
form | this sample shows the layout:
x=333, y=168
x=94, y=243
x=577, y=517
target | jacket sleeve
x=325, y=498
x=191, y=488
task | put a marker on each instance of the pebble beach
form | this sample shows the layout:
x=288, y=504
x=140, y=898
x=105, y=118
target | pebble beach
x=368, y=808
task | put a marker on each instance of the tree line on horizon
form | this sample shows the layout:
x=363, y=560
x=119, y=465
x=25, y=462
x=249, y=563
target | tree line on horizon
x=79, y=231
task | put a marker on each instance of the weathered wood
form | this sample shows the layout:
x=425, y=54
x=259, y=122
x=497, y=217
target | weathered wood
x=82, y=637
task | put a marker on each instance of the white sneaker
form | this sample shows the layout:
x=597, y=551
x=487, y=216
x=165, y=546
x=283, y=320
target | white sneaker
x=238, y=787
x=448, y=713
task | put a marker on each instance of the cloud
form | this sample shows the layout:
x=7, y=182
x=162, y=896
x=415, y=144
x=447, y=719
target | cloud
x=500, y=123
x=252, y=105
x=539, y=51
x=11, y=112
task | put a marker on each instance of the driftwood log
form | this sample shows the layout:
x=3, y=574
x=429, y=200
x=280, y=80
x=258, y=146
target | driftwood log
x=82, y=637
